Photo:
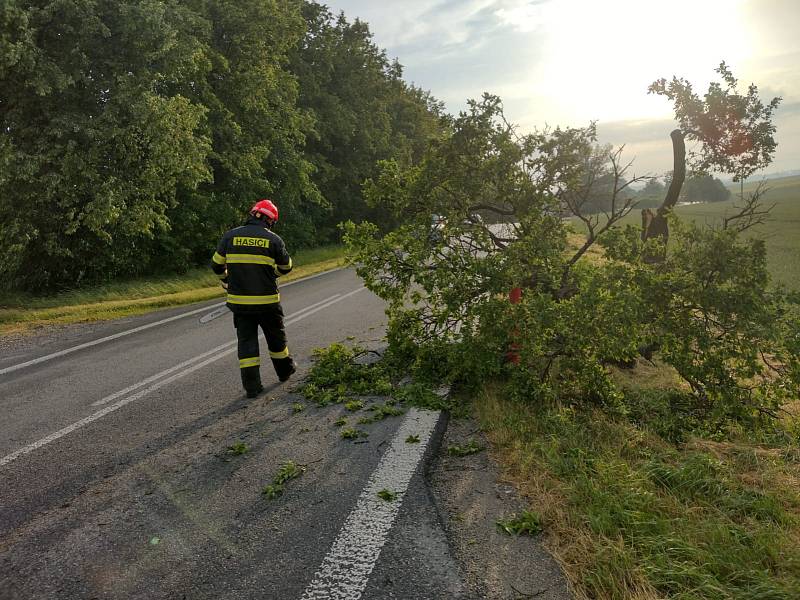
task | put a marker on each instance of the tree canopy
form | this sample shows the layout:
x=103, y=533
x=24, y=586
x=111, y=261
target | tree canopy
x=133, y=132
x=701, y=187
x=589, y=294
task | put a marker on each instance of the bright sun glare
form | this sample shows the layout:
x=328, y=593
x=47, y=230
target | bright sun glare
x=602, y=55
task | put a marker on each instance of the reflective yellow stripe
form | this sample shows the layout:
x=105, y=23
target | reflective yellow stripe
x=249, y=362
x=289, y=266
x=250, y=259
x=218, y=258
x=237, y=299
x=282, y=354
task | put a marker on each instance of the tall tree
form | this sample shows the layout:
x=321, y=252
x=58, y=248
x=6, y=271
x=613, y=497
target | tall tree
x=364, y=112
x=132, y=132
x=94, y=147
x=735, y=135
x=256, y=128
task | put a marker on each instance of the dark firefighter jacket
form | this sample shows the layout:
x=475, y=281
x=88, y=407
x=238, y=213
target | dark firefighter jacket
x=250, y=259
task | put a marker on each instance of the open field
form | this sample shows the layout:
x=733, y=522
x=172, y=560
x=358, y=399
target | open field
x=781, y=232
x=22, y=312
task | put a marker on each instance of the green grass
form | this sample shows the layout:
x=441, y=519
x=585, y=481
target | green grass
x=20, y=312
x=526, y=523
x=781, y=232
x=629, y=515
x=642, y=507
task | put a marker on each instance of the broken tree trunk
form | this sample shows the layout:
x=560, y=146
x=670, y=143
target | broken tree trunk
x=654, y=224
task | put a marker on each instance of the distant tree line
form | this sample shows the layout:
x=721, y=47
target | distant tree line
x=132, y=132
x=698, y=187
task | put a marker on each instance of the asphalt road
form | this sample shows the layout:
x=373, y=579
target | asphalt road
x=116, y=481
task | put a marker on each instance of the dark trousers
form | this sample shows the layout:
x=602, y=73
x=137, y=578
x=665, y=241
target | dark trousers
x=271, y=322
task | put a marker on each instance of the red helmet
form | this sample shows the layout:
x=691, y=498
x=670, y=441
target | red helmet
x=267, y=208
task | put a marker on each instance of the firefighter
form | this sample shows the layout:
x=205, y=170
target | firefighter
x=249, y=259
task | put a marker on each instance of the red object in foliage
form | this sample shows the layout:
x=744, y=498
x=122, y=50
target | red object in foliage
x=512, y=356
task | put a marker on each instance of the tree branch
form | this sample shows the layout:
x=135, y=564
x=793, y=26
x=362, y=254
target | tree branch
x=750, y=214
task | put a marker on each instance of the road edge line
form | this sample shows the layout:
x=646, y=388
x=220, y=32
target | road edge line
x=345, y=569
x=120, y=334
x=162, y=382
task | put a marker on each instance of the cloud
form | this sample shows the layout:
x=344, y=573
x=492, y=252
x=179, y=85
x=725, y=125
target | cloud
x=637, y=131
x=524, y=16
x=564, y=62
x=460, y=48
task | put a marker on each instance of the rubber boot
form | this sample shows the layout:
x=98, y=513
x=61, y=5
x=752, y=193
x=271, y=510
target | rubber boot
x=251, y=381
x=285, y=368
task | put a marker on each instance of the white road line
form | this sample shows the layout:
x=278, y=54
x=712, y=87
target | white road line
x=310, y=277
x=158, y=376
x=345, y=570
x=127, y=400
x=312, y=306
x=108, y=338
x=214, y=314
x=298, y=315
x=294, y=319
x=108, y=409
x=116, y=336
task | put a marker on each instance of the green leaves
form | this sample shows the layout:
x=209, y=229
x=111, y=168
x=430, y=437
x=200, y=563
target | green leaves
x=238, y=448
x=350, y=433
x=363, y=112
x=387, y=495
x=471, y=447
x=446, y=276
x=98, y=146
x=133, y=161
x=336, y=377
x=526, y=523
x=354, y=405
x=286, y=473
x=735, y=129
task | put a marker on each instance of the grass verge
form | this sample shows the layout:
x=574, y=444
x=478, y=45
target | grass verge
x=629, y=514
x=21, y=313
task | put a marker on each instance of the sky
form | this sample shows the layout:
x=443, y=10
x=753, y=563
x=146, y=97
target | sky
x=569, y=62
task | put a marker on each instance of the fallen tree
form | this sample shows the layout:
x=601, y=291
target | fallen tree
x=592, y=295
